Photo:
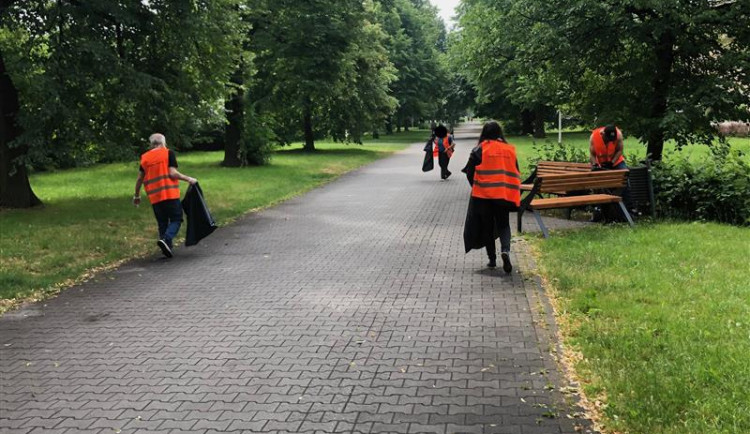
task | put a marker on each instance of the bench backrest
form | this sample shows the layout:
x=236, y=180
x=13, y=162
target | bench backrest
x=581, y=181
x=553, y=167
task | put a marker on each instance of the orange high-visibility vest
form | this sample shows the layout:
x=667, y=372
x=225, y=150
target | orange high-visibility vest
x=497, y=177
x=605, y=152
x=157, y=183
x=436, y=149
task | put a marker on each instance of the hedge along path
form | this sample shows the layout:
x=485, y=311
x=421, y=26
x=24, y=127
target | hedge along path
x=351, y=308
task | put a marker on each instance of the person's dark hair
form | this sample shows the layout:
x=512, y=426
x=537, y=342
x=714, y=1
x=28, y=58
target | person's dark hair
x=491, y=131
x=610, y=133
x=441, y=132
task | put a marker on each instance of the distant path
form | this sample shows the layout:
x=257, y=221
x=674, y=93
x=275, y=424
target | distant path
x=350, y=309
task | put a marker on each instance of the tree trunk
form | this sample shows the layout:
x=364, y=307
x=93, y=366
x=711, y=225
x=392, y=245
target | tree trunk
x=527, y=122
x=15, y=190
x=539, y=132
x=389, y=126
x=309, y=136
x=235, y=108
x=664, y=52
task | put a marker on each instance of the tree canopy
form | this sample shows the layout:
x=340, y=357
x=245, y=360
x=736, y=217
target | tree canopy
x=661, y=70
x=85, y=81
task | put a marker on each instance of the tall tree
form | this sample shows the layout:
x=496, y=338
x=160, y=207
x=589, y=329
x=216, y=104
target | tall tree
x=502, y=56
x=15, y=189
x=662, y=70
x=95, y=78
x=416, y=37
x=317, y=82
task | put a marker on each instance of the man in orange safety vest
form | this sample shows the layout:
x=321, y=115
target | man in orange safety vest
x=159, y=176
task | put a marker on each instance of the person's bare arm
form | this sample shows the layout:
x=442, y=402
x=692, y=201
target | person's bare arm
x=175, y=174
x=138, y=184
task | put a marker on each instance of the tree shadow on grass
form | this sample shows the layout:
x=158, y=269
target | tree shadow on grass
x=75, y=211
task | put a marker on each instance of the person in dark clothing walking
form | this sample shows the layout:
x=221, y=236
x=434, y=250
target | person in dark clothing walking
x=160, y=178
x=492, y=171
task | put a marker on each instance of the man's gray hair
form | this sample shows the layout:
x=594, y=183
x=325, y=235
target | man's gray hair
x=157, y=139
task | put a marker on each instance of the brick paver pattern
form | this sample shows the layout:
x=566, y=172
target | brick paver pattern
x=352, y=308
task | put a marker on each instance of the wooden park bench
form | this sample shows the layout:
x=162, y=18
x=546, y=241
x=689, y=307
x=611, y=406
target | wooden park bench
x=639, y=179
x=552, y=168
x=589, y=181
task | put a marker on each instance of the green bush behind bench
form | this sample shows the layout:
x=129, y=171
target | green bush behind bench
x=697, y=183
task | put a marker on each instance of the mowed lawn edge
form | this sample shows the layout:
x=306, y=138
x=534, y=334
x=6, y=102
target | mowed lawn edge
x=655, y=323
x=88, y=223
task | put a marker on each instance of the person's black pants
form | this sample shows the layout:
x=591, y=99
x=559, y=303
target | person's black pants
x=443, y=160
x=495, y=216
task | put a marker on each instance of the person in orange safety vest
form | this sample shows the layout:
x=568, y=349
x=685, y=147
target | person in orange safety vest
x=605, y=148
x=442, y=148
x=492, y=171
x=159, y=177
x=606, y=153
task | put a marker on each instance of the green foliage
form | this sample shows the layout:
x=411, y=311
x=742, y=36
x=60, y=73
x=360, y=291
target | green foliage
x=500, y=54
x=661, y=70
x=549, y=151
x=322, y=67
x=416, y=37
x=96, y=78
x=715, y=188
x=659, y=315
x=257, y=136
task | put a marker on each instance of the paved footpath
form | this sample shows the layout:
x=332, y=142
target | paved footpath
x=350, y=309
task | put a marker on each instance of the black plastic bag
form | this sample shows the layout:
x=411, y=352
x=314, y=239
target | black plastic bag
x=428, y=163
x=200, y=224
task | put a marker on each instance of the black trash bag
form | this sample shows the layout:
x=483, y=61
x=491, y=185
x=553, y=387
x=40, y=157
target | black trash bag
x=477, y=224
x=429, y=162
x=200, y=224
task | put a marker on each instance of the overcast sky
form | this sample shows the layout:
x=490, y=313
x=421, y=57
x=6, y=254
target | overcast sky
x=446, y=10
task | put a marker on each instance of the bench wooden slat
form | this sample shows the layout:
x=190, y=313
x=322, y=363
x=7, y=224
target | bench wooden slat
x=586, y=175
x=571, y=201
x=570, y=164
x=582, y=185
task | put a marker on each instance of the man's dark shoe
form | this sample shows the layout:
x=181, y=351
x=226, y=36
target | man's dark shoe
x=447, y=175
x=164, y=248
x=492, y=263
x=507, y=266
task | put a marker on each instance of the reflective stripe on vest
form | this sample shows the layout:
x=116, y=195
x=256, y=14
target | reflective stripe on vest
x=604, y=151
x=156, y=181
x=497, y=177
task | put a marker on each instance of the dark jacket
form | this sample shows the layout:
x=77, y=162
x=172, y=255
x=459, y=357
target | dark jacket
x=200, y=224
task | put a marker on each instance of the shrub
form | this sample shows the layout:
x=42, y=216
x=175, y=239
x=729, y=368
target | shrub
x=715, y=189
x=550, y=151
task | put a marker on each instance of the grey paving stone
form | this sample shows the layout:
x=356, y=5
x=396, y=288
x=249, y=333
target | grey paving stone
x=352, y=308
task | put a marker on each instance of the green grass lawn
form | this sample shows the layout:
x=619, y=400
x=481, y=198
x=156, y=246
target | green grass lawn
x=88, y=221
x=661, y=315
